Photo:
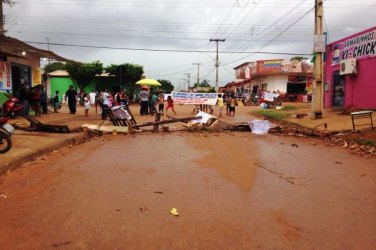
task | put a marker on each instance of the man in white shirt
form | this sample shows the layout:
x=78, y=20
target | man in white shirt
x=144, y=98
x=92, y=97
x=105, y=96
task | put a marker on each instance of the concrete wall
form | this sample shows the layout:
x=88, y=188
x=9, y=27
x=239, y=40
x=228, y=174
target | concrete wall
x=274, y=82
x=62, y=83
x=360, y=89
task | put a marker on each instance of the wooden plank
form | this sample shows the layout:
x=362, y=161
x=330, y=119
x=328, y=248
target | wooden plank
x=168, y=121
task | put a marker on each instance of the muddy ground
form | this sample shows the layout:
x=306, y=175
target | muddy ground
x=232, y=191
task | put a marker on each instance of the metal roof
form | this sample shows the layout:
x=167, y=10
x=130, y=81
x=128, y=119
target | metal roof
x=13, y=47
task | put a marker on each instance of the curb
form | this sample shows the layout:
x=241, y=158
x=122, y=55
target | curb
x=18, y=162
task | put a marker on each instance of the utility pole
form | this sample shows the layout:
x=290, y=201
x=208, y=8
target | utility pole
x=317, y=95
x=2, y=19
x=189, y=77
x=48, y=48
x=182, y=84
x=198, y=72
x=217, y=61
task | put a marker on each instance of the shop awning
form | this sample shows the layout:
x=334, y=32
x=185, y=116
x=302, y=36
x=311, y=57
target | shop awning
x=14, y=48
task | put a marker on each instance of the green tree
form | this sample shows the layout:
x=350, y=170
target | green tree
x=204, y=83
x=298, y=58
x=83, y=74
x=167, y=86
x=54, y=66
x=128, y=74
x=9, y=2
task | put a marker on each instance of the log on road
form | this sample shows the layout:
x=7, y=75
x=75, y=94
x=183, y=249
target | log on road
x=185, y=119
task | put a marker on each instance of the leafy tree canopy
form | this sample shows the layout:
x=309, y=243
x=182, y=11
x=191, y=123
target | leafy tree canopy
x=54, y=66
x=298, y=58
x=82, y=74
x=127, y=73
x=167, y=86
x=204, y=83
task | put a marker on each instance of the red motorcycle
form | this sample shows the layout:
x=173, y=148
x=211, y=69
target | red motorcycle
x=12, y=106
x=6, y=131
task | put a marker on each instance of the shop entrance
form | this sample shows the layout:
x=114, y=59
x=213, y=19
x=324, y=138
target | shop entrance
x=20, y=74
x=296, y=88
x=338, y=90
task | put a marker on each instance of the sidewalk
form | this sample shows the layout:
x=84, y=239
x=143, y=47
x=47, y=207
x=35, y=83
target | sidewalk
x=28, y=145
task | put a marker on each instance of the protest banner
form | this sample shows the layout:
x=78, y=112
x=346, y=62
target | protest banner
x=194, y=98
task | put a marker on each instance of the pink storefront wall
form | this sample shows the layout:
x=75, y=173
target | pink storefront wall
x=360, y=89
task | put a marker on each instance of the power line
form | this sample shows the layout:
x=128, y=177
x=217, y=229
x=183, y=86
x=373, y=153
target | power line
x=161, y=50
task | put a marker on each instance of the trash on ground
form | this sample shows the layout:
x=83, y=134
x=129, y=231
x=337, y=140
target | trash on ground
x=219, y=125
x=174, y=212
x=264, y=106
x=260, y=127
x=204, y=117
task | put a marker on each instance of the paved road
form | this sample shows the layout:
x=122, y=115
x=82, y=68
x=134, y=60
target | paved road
x=232, y=191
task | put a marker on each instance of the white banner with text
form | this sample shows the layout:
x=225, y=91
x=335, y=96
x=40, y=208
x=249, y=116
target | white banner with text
x=194, y=98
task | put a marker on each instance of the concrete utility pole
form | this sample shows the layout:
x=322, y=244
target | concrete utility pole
x=198, y=72
x=217, y=61
x=181, y=88
x=1, y=19
x=317, y=95
x=189, y=77
x=48, y=48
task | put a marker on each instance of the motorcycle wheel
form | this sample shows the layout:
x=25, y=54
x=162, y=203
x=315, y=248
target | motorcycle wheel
x=5, y=143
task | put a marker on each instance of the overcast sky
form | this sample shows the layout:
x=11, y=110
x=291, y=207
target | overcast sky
x=167, y=36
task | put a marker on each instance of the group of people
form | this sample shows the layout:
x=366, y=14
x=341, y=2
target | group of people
x=103, y=99
x=149, y=101
x=34, y=98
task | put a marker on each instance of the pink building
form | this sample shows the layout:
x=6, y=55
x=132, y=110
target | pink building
x=350, y=79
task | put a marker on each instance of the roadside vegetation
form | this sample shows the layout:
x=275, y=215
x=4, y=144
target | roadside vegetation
x=274, y=113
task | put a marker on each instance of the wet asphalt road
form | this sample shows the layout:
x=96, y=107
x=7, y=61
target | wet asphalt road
x=232, y=191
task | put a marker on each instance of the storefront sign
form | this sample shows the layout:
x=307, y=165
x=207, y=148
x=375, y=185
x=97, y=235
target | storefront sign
x=269, y=66
x=243, y=71
x=319, y=43
x=37, y=78
x=309, y=85
x=5, y=83
x=194, y=98
x=360, y=47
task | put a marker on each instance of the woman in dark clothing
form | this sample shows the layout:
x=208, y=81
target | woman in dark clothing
x=71, y=95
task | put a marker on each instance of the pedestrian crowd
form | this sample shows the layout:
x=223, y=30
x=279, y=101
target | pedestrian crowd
x=151, y=102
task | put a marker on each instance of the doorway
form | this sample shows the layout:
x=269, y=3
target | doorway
x=338, y=90
x=21, y=74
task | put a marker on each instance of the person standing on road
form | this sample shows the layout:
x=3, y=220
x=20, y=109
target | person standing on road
x=232, y=105
x=161, y=103
x=170, y=104
x=56, y=102
x=71, y=95
x=43, y=99
x=92, y=97
x=86, y=104
x=144, y=98
x=105, y=104
x=220, y=105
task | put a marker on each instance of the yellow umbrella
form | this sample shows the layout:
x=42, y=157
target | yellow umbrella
x=148, y=82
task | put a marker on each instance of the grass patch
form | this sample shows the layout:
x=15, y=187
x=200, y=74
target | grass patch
x=365, y=142
x=287, y=108
x=272, y=114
